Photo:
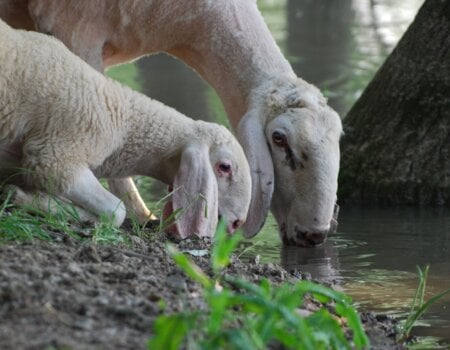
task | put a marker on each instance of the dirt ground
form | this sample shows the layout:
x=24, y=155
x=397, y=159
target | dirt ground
x=71, y=295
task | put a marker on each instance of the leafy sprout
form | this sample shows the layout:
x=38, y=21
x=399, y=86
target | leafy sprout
x=245, y=315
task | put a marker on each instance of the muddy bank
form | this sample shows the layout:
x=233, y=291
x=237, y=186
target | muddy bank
x=71, y=295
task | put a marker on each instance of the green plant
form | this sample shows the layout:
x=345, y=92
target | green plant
x=166, y=222
x=244, y=315
x=29, y=222
x=418, y=306
x=105, y=232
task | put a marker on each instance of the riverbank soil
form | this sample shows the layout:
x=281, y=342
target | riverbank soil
x=68, y=294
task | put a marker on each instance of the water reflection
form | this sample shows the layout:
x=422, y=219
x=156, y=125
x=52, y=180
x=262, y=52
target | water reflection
x=321, y=263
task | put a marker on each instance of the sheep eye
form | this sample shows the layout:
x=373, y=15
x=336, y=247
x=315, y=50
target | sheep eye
x=279, y=139
x=224, y=167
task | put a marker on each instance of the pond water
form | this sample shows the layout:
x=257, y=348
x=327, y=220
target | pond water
x=337, y=45
x=373, y=257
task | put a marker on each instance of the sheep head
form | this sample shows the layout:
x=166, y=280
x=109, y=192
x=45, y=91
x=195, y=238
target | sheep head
x=291, y=139
x=213, y=181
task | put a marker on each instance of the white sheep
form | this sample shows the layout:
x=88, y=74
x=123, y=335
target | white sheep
x=67, y=125
x=289, y=134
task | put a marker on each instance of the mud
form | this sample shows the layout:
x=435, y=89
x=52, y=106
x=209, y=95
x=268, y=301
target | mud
x=68, y=294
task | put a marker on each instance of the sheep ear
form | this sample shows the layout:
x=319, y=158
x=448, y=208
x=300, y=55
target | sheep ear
x=253, y=140
x=196, y=193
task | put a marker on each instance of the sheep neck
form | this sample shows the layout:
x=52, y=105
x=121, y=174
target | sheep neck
x=230, y=46
x=152, y=130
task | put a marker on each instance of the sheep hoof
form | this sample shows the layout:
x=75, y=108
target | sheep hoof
x=14, y=195
x=151, y=224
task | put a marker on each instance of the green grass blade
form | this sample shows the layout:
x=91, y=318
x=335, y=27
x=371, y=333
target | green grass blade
x=328, y=331
x=305, y=287
x=189, y=267
x=241, y=340
x=408, y=326
x=423, y=278
x=418, y=297
x=170, y=331
x=354, y=322
x=224, y=245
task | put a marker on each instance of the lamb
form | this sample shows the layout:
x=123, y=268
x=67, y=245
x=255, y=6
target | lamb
x=67, y=125
x=289, y=134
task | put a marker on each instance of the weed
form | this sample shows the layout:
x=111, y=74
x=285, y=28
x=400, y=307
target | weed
x=60, y=218
x=418, y=306
x=105, y=232
x=31, y=223
x=245, y=315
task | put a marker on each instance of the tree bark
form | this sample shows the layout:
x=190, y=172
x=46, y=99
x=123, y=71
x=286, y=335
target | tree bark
x=397, y=144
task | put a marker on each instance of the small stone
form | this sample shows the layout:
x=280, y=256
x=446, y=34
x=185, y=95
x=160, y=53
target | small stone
x=176, y=282
x=255, y=260
x=88, y=253
x=74, y=268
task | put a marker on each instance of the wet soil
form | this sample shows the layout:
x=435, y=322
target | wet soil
x=68, y=294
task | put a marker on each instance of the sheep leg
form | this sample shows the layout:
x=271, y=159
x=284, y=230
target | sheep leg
x=88, y=193
x=46, y=203
x=125, y=189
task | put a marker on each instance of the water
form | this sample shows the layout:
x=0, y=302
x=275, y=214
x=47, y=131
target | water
x=338, y=45
x=373, y=257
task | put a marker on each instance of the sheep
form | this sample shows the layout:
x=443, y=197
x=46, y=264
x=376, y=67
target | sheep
x=66, y=125
x=289, y=134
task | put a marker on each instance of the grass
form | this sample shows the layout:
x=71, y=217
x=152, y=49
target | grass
x=29, y=223
x=245, y=315
x=418, y=306
x=24, y=225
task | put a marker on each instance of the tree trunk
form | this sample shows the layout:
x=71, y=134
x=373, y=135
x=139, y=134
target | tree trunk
x=397, y=144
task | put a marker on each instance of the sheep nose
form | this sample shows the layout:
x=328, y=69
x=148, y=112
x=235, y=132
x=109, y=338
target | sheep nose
x=309, y=239
x=235, y=225
x=316, y=237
